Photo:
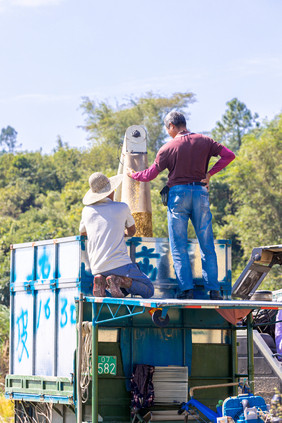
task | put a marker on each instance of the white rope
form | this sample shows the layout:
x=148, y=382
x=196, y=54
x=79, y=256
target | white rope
x=86, y=360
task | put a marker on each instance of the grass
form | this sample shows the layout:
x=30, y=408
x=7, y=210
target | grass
x=6, y=406
x=6, y=410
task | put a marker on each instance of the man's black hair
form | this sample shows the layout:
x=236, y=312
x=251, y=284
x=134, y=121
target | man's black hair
x=176, y=118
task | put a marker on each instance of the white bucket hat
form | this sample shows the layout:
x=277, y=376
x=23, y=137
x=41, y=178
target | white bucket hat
x=100, y=187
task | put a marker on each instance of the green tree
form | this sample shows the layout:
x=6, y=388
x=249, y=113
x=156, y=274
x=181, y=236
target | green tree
x=256, y=181
x=67, y=165
x=4, y=324
x=17, y=198
x=32, y=168
x=235, y=123
x=107, y=124
x=4, y=345
x=8, y=139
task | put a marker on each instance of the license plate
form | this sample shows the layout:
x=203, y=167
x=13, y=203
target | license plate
x=107, y=365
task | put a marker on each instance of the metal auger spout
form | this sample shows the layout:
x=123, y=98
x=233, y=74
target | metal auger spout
x=135, y=193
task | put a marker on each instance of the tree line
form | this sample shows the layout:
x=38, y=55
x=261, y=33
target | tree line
x=41, y=194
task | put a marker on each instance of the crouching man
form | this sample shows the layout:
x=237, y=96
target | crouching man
x=106, y=222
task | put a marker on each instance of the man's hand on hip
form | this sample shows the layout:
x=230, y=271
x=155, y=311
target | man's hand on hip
x=207, y=181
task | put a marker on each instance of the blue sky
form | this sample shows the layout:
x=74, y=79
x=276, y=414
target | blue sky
x=54, y=52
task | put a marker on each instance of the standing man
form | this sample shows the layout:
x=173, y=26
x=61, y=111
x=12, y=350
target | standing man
x=105, y=221
x=187, y=156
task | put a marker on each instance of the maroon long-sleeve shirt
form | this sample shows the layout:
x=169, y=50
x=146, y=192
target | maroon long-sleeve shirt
x=186, y=157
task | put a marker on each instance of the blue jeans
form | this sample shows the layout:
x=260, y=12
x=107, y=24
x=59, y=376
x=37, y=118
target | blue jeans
x=191, y=202
x=141, y=284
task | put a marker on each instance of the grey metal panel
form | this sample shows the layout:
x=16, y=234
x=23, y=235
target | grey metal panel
x=170, y=384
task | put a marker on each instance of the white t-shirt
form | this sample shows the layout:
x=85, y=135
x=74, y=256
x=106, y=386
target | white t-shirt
x=105, y=222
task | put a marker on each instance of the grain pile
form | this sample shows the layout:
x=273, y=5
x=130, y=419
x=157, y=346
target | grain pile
x=143, y=222
x=143, y=219
x=137, y=195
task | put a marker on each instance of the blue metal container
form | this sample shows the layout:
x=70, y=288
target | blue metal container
x=154, y=258
x=47, y=276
